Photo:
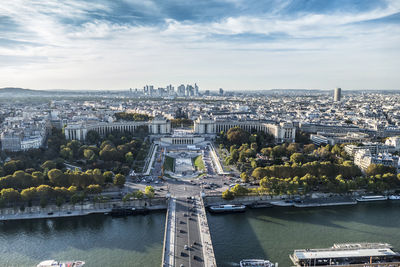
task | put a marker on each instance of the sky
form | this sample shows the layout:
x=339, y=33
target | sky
x=231, y=44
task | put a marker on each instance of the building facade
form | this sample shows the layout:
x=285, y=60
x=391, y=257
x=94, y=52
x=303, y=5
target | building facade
x=283, y=132
x=394, y=142
x=78, y=131
x=337, y=94
x=364, y=158
x=338, y=138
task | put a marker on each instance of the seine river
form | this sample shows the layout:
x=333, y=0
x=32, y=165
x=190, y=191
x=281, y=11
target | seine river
x=271, y=233
x=97, y=239
x=274, y=233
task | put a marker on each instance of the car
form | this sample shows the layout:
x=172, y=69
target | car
x=186, y=247
x=197, y=258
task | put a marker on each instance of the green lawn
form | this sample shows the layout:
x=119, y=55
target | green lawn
x=199, y=163
x=169, y=164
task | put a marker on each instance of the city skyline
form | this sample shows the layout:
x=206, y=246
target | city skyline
x=233, y=44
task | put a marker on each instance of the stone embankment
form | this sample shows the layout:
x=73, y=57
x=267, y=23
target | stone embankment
x=70, y=210
x=303, y=202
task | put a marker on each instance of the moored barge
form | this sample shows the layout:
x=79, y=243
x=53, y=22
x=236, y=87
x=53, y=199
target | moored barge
x=348, y=254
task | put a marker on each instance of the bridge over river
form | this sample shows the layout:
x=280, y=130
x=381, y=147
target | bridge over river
x=187, y=240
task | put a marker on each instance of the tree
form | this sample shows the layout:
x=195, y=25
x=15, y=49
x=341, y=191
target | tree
x=89, y=154
x=244, y=177
x=336, y=150
x=374, y=169
x=237, y=136
x=278, y=151
x=57, y=177
x=49, y=164
x=12, y=166
x=44, y=191
x=292, y=148
x=309, y=148
x=149, y=191
x=74, y=145
x=138, y=194
x=109, y=153
x=28, y=194
x=98, y=176
x=66, y=153
x=92, y=137
x=59, y=201
x=266, y=151
x=77, y=197
x=10, y=195
x=254, y=146
x=72, y=189
x=297, y=158
x=94, y=189
x=129, y=157
x=239, y=190
x=259, y=173
x=108, y=177
x=228, y=195
x=38, y=178
x=119, y=180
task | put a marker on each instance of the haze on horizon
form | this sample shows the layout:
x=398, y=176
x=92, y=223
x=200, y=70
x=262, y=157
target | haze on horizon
x=233, y=44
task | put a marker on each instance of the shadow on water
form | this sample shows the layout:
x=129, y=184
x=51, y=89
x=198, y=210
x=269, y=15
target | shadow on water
x=372, y=213
x=273, y=233
x=40, y=238
x=241, y=240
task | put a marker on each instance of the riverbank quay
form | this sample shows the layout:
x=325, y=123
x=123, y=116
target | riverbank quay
x=70, y=210
x=317, y=200
x=325, y=201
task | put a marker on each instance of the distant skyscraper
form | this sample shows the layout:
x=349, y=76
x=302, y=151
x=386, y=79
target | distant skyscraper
x=221, y=91
x=337, y=94
x=170, y=90
x=189, y=90
x=181, y=90
x=196, y=90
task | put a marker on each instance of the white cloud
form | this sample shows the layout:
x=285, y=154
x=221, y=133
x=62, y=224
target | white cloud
x=105, y=54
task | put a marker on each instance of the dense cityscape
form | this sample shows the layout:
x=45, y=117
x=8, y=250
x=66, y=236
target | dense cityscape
x=229, y=133
x=136, y=151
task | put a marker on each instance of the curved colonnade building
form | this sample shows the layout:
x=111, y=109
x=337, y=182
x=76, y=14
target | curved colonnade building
x=203, y=126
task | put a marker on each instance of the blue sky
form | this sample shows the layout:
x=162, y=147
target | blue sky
x=233, y=44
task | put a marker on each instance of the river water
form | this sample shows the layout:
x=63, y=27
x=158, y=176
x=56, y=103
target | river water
x=97, y=239
x=273, y=233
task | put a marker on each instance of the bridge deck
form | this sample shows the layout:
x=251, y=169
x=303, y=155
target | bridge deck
x=187, y=239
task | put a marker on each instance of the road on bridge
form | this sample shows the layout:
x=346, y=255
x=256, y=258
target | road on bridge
x=188, y=248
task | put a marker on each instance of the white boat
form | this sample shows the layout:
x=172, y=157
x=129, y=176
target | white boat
x=53, y=263
x=256, y=263
x=371, y=198
x=227, y=208
x=394, y=197
x=283, y=203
